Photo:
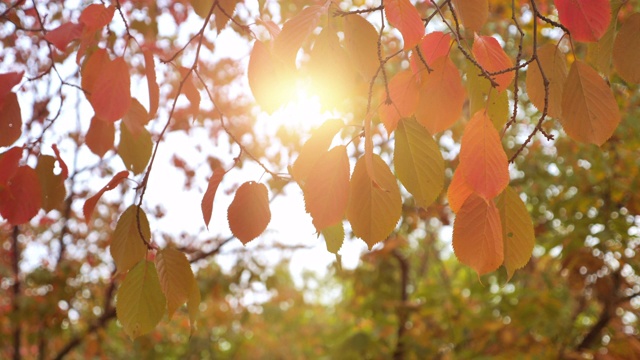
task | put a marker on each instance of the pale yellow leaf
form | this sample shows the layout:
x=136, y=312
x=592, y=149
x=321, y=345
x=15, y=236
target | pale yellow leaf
x=517, y=231
x=626, y=50
x=127, y=247
x=176, y=277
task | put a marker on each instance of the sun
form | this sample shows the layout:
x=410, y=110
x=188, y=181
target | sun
x=304, y=111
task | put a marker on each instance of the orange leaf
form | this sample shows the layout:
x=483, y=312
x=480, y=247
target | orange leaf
x=361, y=43
x=61, y=36
x=402, y=15
x=433, y=46
x=222, y=12
x=404, y=93
x=20, y=198
x=92, y=68
x=482, y=158
x=269, y=84
x=10, y=120
x=626, y=50
x=314, y=148
x=152, y=83
x=327, y=190
x=7, y=82
x=190, y=90
x=473, y=13
x=295, y=31
x=96, y=16
x=249, y=212
x=100, y=137
x=590, y=112
x=458, y=191
x=492, y=58
x=111, y=93
x=555, y=70
x=477, y=235
x=442, y=97
x=587, y=20
x=9, y=161
x=207, y=200
x=90, y=204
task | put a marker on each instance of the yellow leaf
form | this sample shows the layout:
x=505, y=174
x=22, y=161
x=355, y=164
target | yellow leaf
x=473, y=13
x=626, y=50
x=333, y=237
x=313, y=149
x=176, y=277
x=127, y=248
x=361, y=43
x=555, y=70
x=135, y=152
x=517, y=231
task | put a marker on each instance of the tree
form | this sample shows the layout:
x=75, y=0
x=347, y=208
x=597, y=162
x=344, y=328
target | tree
x=514, y=107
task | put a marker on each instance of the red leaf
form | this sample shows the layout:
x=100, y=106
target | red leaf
x=294, y=32
x=63, y=165
x=433, y=46
x=482, y=158
x=402, y=15
x=100, y=137
x=61, y=36
x=249, y=212
x=20, y=199
x=152, y=83
x=587, y=20
x=111, y=92
x=90, y=204
x=492, y=58
x=209, y=195
x=7, y=82
x=92, y=69
x=96, y=16
x=404, y=93
x=9, y=161
x=10, y=120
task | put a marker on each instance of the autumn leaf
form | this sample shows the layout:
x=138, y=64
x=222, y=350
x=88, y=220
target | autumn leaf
x=555, y=70
x=10, y=120
x=590, y=113
x=626, y=50
x=441, y=97
x=333, y=237
x=458, y=191
x=223, y=12
x=7, y=82
x=96, y=16
x=20, y=196
x=190, y=90
x=110, y=93
x=373, y=211
x=330, y=70
x=140, y=302
x=269, y=82
x=207, y=200
x=294, y=32
x=473, y=13
x=90, y=204
x=418, y=162
x=517, y=230
x=404, y=93
x=587, y=20
x=599, y=53
x=127, y=245
x=92, y=68
x=9, y=162
x=136, y=118
x=61, y=36
x=361, y=43
x=152, y=83
x=477, y=235
x=482, y=158
x=402, y=15
x=433, y=46
x=249, y=212
x=176, y=277
x=313, y=149
x=492, y=58
x=135, y=152
x=100, y=136
x=327, y=189
x=51, y=185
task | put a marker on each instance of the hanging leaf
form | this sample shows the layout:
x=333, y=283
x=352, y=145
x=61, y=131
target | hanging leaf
x=433, y=46
x=90, y=204
x=193, y=305
x=458, y=191
x=498, y=109
x=327, y=189
x=249, y=212
x=140, y=303
x=127, y=247
x=477, y=235
x=626, y=50
x=517, y=231
x=96, y=16
x=92, y=68
x=136, y=118
x=590, y=113
x=7, y=82
x=61, y=36
x=9, y=162
x=223, y=12
x=555, y=70
x=10, y=120
x=176, y=277
x=418, y=162
x=441, y=96
x=294, y=32
x=52, y=187
x=330, y=70
x=110, y=94
x=361, y=43
x=599, y=53
x=404, y=92
x=207, y=200
x=373, y=211
x=269, y=83
x=402, y=15
x=473, y=13
x=20, y=196
x=492, y=58
x=100, y=136
x=482, y=159
x=314, y=148
x=202, y=7
x=587, y=20
x=333, y=237
x=152, y=83
x=135, y=152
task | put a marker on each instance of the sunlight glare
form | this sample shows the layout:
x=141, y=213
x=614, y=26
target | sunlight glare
x=303, y=112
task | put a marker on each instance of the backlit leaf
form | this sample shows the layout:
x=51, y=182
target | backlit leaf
x=152, y=83
x=404, y=93
x=517, y=230
x=498, y=109
x=10, y=120
x=136, y=118
x=313, y=149
x=361, y=43
x=269, y=82
x=473, y=13
x=477, y=235
x=373, y=211
x=127, y=247
x=9, y=162
x=207, y=200
x=294, y=32
x=111, y=94
x=327, y=189
x=20, y=197
x=333, y=237
x=555, y=70
x=587, y=20
x=492, y=58
x=61, y=36
x=92, y=68
x=482, y=158
x=330, y=70
x=135, y=152
x=418, y=162
x=599, y=53
x=90, y=204
x=222, y=12
x=458, y=191
x=249, y=212
x=96, y=16
x=590, y=113
x=7, y=82
x=176, y=277
x=442, y=96
x=433, y=46
x=626, y=50
x=140, y=303
x=404, y=16
x=100, y=136
x=52, y=186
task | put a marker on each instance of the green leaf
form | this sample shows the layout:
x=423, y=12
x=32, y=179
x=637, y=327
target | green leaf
x=418, y=162
x=140, y=302
x=176, y=277
x=334, y=237
x=127, y=248
x=134, y=151
x=517, y=230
